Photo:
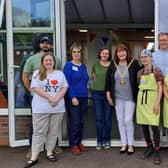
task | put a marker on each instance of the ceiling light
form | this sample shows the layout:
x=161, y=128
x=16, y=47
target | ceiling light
x=149, y=37
x=83, y=30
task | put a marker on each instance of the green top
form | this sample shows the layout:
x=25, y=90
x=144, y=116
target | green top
x=32, y=63
x=99, y=71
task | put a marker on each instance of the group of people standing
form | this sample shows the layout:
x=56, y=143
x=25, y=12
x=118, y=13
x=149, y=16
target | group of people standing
x=119, y=85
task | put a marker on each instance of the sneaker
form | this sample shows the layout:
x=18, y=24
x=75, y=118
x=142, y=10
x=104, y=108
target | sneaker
x=75, y=150
x=82, y=148
x=148, y=152
x=107, y=145
x=99, y=146
x=156, y=158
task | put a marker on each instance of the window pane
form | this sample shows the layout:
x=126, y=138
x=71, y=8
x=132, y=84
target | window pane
x=163, y=15
x=3, y=73
x=31, y=13
x=24, y=47
x=2, y=16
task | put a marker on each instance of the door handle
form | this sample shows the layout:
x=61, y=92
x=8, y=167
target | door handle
x=15, y=66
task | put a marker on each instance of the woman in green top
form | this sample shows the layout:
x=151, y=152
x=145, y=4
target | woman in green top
x=101, y=106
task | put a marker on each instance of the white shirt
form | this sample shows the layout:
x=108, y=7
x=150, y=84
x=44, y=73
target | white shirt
x=52, y=85
x=160, y=59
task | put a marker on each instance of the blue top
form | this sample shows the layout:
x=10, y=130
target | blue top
x=160, y=59
x=77, y=78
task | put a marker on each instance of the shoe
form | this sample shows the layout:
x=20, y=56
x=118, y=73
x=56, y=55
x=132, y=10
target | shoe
x=107, y=145
x=99, y=146
x=156, y=158
x=123, y=149
x=75, y=150
x=51, y=158
x=82, y=148
x=148, y=152
x=130, y=150
x=30, y=163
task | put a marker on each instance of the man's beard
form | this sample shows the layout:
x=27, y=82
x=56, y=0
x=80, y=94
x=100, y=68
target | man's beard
x=45, y=49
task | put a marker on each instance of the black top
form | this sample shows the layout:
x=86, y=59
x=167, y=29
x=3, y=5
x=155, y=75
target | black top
x=110, y=81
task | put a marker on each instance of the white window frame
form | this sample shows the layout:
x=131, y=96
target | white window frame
x=157, y=2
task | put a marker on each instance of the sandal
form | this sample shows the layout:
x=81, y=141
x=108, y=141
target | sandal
x=30, y=163
x=51, y=158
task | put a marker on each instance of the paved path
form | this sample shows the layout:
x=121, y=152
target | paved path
x=111, y=158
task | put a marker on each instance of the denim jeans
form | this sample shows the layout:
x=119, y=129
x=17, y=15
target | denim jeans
x=103, y=117
x=76, y=120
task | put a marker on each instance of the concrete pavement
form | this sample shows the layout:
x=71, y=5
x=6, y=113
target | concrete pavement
x=111, y=158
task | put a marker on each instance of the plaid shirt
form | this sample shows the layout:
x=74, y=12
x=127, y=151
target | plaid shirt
x=156, y=71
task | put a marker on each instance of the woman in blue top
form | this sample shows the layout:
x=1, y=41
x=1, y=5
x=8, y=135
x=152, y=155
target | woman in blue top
x=76, y=100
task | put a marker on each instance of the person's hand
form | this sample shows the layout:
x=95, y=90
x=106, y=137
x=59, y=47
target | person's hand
x=53, y=101
x=156, y=109
x=110, y=101
x=52, y=104
x=75, y=102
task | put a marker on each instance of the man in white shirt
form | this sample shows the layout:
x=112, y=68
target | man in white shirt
x=160, y=57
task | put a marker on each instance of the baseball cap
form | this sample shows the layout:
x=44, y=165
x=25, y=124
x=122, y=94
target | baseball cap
x=146, y=52
x=46, y=38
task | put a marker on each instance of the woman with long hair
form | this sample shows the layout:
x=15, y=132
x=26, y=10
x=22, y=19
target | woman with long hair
x=121, y=90
x=49, y=87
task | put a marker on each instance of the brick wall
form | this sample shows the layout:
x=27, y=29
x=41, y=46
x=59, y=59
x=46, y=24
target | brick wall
x=4, y=135
x=22, y=128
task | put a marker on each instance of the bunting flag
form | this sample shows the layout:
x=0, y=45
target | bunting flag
x=92, y=37
x=105, y=40
x=98, y=44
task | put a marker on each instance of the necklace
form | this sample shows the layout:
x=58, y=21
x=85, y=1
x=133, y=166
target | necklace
x=105, y=64
x=122, y=74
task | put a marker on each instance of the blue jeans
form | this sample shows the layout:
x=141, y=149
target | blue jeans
x=103, y=117
x=76, y=120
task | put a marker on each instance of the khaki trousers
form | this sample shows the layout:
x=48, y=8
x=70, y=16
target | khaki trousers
x=45, y=130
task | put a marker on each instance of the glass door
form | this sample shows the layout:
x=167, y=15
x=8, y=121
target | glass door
x=24, y=23
x=3, y=76
x=23, y=49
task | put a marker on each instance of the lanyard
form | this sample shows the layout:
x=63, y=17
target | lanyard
x=122, y=74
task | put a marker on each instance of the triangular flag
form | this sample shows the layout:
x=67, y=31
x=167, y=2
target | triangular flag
x=92, y=37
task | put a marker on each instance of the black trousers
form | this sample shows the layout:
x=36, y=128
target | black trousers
x=156, y=135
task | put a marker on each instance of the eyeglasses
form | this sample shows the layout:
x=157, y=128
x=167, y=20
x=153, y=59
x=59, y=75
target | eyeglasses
x=75, y=51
